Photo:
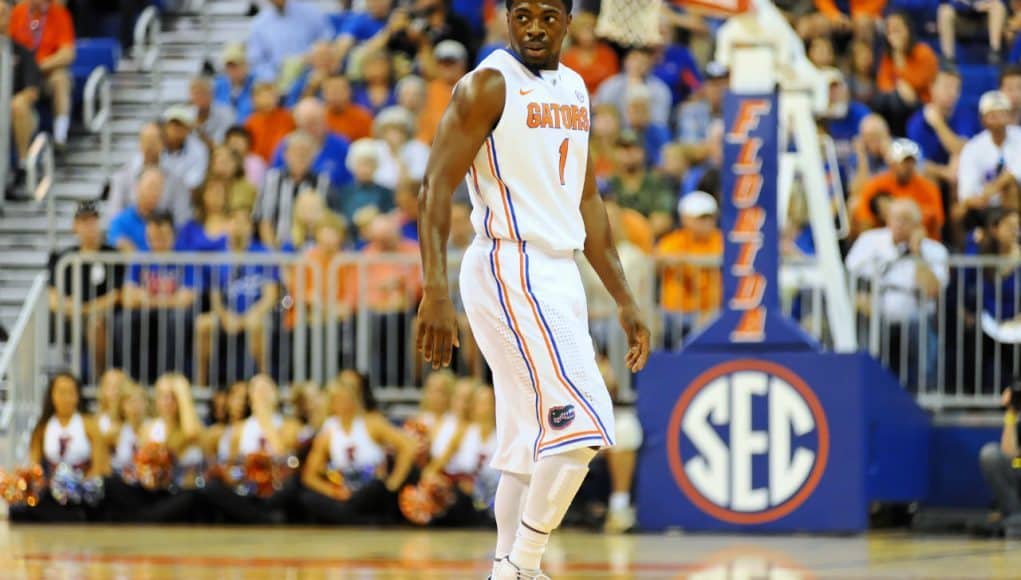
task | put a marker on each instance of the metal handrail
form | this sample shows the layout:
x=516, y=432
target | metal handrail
x=40, y=155
x=98, y=120
x=21, y=366
x=6, y=96
x=147, y=48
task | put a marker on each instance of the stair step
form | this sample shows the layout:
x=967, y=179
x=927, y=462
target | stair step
x=19, y=276
x=37, y=224
x=26, y=259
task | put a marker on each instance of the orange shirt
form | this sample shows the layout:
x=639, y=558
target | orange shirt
x=873, y=8
x=637, y=229
x=919, y=70
x=393, y=286
x=268, y=130
x=53, y=29
x=924, y=192
x=354, y=122
x=602, y=65
x=315, y=268
x=437, y=97
x=691, y=287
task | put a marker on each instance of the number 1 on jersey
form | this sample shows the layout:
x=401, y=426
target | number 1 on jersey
x=563, y=159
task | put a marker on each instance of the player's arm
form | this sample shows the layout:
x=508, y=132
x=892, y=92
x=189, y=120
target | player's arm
x=474, y=110
x=602, y=255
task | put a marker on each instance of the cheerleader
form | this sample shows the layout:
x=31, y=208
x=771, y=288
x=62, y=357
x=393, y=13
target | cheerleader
x=308, y=412
x=345, y=476
x=465, y=463
x=154, y=487
x=456, y=417
x=108, y=417
x=132, y=411
x=218, y=437
x=257, y=489
x=68, y=446
x=436, y=395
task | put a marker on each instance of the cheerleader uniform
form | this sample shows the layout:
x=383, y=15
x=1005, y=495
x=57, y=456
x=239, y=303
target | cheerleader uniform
x=356, y=456
x=124, y=451
x=475, y=481
x=68, y=444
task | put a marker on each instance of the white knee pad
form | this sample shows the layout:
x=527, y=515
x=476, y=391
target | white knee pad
x=555, y=482
x=627, y=431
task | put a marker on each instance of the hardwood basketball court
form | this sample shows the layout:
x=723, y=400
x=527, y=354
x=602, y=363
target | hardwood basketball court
x=151, y=553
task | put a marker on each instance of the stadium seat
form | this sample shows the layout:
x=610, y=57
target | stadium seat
x=92, y=53
x=337, y=20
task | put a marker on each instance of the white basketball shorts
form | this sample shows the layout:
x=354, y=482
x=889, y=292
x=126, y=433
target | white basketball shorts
x=528, y=313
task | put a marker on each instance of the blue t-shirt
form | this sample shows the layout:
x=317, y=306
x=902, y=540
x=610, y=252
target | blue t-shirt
x=679, y=70
x=130, y=225
x=192, y=238
x=362, y=26
x=360, y=96
x=409, y=231
x=241, y=102
x=656, y=136
x=843, y=131
x=242, y=285
x=162, y=279
x=348, y=200
x=331, y=159
x=961, y=122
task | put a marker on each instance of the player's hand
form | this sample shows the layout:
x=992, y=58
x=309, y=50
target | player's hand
x=638, y=338
x=437, y=329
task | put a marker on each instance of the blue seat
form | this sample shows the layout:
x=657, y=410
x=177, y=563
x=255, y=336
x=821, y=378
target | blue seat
x=337, y=20
x=90, y=54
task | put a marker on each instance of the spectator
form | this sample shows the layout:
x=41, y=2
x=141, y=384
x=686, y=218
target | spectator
x=211, y=119
x=329, y=150
x=903, y=180
x=622, y=458
x=905, y=73
x=692, y=287
x=157, y=302
x=44, y=27
x=451, y=65
x=101, y=285
x=225, y=168
x=871, y=149
x=400, y=155
x=410, y=92
x=497, y=36
x=1001, y=289
x=861, y=79
x=309, y=208
x=406, y=208
x=696, y=116
x=634, y=186
x=207, y=232
x=675, y=65
x=323, y=63
x=270, y=123
x=25, y=91
x=990, y=164
x=364, y=26
x=590, y=57
x=842, y=120
x=176, y=197
x=242, y=296
x=428, y=24
x=233, y=88
x=606, y=127
x=375, y=90
x=602, y=309
x=637, y=71
x=185, y=157
x=273, y=209
x=997, y=459
x=362, y=161
x=995, y=11
x=821, y=52
x=351, y=121
x=942, y=128
x=328, y=241
x=651, y=135
x=911, y=271
x=844, y=16
x=1010, y=85
x=239, y=140
x=127, y=231
x=281, y=35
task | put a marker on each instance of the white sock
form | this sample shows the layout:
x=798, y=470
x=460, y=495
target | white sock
x=619, y=500
x=510, y=500
x=61, y=125
x=555, y=482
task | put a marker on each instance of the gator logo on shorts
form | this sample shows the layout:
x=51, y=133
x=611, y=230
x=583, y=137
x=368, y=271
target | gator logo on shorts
x=561, y=417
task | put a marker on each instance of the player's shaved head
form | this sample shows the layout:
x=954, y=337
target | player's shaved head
x=568, y=4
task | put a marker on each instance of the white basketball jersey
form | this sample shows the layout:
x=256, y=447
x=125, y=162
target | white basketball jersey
x=127, y=444
x=474, y=452
x=527, y=178
x=353, y=450
x=67, y=443
x=252, y=439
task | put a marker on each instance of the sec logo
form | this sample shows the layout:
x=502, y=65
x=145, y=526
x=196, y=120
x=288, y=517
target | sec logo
x=748, y=442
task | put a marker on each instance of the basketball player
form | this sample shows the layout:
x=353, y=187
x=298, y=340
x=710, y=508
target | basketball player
x=517, y=129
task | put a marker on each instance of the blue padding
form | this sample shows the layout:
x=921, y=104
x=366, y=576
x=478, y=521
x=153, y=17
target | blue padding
x=92, y=53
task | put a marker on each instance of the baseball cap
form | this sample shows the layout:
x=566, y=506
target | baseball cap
x=180, y=113
x=627, y=138
x=716, y=70
x=86, y=209
x=450, y=50
x=902, y=149
x=993, y=101
x=697, y=204
x=234, y=53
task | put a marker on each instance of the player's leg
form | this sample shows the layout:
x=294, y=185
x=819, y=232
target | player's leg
x=510, y=501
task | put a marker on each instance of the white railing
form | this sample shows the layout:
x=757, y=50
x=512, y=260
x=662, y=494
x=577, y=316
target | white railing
x=147, y=49
x=40, y=170
x=98, y=113
x=22, y=381
x=6, y=95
